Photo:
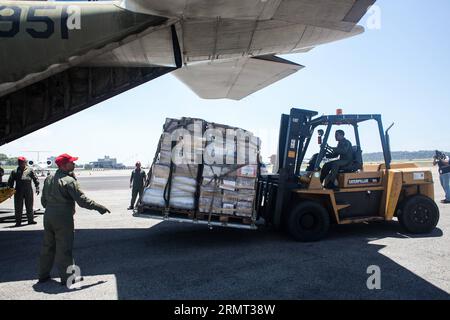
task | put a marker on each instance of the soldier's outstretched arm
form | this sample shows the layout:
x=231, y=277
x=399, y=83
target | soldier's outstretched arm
x=80, y=198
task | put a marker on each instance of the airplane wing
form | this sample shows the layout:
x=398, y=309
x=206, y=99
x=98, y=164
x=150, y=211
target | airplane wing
x=333, y=14
x=235, y=78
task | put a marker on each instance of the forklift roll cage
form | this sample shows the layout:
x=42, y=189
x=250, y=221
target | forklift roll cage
x=297, y=128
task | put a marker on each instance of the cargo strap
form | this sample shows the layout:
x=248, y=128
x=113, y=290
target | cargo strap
x=216, y=178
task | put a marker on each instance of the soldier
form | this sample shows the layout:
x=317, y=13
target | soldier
x=443, y=162
x=344, y=151
x=59, y=195
x=22, y=178
x=137, y=182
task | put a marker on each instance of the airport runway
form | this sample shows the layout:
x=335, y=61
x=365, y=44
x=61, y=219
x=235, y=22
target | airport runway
x=92, y=183
x=122, y=257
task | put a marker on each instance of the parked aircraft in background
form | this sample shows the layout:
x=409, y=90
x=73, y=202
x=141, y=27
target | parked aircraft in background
x=40, y=167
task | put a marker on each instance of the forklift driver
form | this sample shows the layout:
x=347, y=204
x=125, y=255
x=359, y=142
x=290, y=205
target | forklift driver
x=344, y=151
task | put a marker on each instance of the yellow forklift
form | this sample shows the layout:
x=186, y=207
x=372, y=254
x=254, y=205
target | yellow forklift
x=295, y=200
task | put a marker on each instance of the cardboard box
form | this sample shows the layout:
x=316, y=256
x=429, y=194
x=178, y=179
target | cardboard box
x=249, y=171
x=245, y=183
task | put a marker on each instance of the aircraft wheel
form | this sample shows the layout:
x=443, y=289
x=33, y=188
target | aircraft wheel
x=419, y=214
x=309, y=221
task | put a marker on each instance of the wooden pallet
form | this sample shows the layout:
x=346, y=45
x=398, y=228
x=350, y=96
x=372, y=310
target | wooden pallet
x=159, y=211
x=224, y=218
x=191, y=214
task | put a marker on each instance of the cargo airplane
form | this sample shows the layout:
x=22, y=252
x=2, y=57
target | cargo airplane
x=59, y=58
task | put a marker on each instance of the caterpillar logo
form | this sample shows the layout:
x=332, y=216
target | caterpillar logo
x=353, y=182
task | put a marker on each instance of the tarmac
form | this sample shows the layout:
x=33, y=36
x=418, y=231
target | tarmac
x=123, y=257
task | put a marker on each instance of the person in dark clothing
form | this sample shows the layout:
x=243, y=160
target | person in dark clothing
x=137, y=182
x=443, y=163
x=344, y=151
x=20, y=179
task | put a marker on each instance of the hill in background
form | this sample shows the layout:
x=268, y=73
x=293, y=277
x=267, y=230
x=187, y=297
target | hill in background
x=401, y=156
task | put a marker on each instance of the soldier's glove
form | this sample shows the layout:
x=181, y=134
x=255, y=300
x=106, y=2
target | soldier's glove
x=37, y=191
x=103, y=210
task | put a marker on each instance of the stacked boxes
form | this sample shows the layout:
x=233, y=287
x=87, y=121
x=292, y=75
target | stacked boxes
x=217, y=163
x=230, y=193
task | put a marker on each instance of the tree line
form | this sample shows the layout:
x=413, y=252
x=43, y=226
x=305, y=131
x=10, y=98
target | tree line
x=402, y=155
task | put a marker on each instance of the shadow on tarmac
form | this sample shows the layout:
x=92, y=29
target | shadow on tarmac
x=54, y=287
x=179, y=261
x=8, y=216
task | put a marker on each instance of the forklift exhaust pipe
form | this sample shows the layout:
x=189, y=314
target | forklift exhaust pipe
x=388, y=141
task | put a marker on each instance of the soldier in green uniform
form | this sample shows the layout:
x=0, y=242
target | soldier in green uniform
x=59, y=195
x=344, y=151
x=21, y=178
x=137, y=182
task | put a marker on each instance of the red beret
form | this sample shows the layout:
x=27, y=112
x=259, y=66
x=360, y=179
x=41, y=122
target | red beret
x=22, y=159
x=64, y=158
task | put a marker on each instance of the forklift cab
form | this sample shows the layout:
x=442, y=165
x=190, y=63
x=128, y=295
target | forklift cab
x=296, y=134
x=335, y=122
x=294, y=199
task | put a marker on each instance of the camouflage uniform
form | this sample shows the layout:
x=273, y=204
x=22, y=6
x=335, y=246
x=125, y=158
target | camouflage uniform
x=59, y=195
x=24, y=191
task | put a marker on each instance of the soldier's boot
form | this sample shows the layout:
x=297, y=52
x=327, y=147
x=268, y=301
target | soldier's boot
x=45, y=279
x=64, y=282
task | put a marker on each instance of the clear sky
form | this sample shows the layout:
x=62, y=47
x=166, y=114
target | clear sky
x=400, y=71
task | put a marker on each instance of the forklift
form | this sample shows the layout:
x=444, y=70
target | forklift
x=296, y=201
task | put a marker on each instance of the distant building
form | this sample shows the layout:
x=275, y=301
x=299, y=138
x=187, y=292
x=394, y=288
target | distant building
x=107, y=163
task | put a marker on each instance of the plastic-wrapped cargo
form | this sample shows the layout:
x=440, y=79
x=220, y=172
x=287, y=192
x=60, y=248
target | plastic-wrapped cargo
x=204, y=167
x=154, y=193
x=183, y=187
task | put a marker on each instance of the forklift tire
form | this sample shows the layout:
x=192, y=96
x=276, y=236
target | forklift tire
x=419, y=214
x=307, y=222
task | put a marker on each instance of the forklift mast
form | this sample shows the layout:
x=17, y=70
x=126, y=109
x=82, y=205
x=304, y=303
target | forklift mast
x=295, y=131
x=294, y=138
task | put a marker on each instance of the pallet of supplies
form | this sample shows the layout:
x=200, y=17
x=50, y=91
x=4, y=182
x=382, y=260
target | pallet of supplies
x=206, y=168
